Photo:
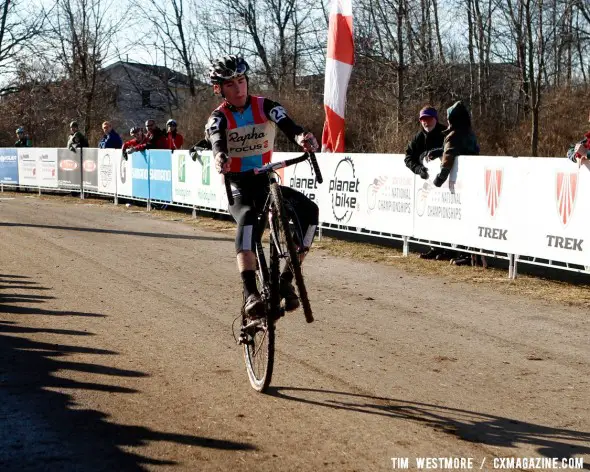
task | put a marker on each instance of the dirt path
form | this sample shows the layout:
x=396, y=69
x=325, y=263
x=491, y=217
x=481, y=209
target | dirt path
x=116, y=353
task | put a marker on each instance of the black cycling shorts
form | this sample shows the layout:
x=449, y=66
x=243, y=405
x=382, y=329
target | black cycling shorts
x=249, y=198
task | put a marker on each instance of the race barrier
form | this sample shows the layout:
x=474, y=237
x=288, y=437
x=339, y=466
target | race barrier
x=528, y=210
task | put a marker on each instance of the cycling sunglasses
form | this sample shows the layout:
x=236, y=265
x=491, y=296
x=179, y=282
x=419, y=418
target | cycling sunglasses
x=240, y=70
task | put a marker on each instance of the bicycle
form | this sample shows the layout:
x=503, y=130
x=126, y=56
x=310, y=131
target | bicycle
x=258, y=336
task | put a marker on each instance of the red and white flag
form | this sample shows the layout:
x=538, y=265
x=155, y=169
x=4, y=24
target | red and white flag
x=339, y=61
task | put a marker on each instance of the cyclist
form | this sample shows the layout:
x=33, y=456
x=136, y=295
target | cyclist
x=241, y=132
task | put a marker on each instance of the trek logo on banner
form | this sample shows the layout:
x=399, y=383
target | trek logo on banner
x=566, y=191
x=344, y=188
x=493, y=185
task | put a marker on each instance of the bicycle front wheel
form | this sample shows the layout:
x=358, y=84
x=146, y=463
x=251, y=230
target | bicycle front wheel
x=293, y=255
x=259, y=352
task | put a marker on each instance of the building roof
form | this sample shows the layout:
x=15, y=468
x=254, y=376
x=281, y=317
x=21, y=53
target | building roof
x=172, y=77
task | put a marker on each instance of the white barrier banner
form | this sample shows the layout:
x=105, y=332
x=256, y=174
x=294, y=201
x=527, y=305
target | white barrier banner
x=209, y=183
x=124, y=182
x=440, y=211
x=388, y=195
x=553, y=218
x=491, y=194
x=299, y=176
x=107, y=169
x=343, y=192
x=47, y=168
x=27, y=167
x=184, y=178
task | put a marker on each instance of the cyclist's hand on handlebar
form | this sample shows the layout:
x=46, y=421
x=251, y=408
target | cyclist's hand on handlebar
x=222, y=162
x=307, y=141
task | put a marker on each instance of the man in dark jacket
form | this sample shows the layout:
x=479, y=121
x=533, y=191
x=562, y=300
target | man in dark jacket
x=429, y=137
x=110, y=139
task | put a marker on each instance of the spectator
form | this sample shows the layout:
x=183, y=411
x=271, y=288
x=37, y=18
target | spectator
x=138, y=138
x=459, y=140
x=110, y=139
x=22, y=139
x=429, y=137
x=155, y=139
x=76, y=139
x=580, y=151
x=175, y=139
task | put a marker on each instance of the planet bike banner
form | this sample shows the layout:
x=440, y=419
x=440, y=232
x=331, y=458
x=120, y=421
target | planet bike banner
x=185, y=178
x=90, y=169
x=47, y=167
x=490, y=202
x=9, y=166
x=553, y=214
x=124, y=171
x=107, y=171
x=299, y=176
x=27, y=167
x=69, y=174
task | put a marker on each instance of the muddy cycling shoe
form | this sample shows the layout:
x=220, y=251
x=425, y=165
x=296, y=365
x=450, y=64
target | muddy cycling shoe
x=287, y=292
x=254, y=306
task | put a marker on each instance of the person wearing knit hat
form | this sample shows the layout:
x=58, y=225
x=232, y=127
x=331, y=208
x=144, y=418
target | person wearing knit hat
x=429, y=137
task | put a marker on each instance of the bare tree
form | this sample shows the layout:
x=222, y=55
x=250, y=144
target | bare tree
x=20, y=24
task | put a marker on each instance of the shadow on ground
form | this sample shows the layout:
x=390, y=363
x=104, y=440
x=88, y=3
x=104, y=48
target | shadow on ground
x=42, y=427
x=466, y=425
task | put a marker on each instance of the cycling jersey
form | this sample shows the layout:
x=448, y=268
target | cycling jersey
x=247, y=136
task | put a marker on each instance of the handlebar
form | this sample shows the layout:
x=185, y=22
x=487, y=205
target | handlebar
x=271, y=167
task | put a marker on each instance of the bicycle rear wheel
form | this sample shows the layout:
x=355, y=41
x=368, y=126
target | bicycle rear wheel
x=293, y=259
x=259, y=352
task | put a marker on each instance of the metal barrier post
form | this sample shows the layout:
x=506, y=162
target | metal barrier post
x=149, y=202
x=406, y=249
x=81, y=173
x=515, y=269
x=510, y=265
x=319, y=232
x=194, y=212
x=2, y=187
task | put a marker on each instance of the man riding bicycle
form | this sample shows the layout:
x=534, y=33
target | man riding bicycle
x=241, y=132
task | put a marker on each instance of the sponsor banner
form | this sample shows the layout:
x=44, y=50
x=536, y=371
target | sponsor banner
x=388, y=195
x=185, y=178
x=27, y=167
x=209, y=183
x=554, y=209
x=139, y=174
x=107, y=169
x=69, y=174
x=300, y=176
x=160, y=175
x=90, y=169
x=152, y=175
x=440, y=211
x=47, y=167
x=343, y=193
x=491, y=200
x=9, y=166
x=124, y=179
